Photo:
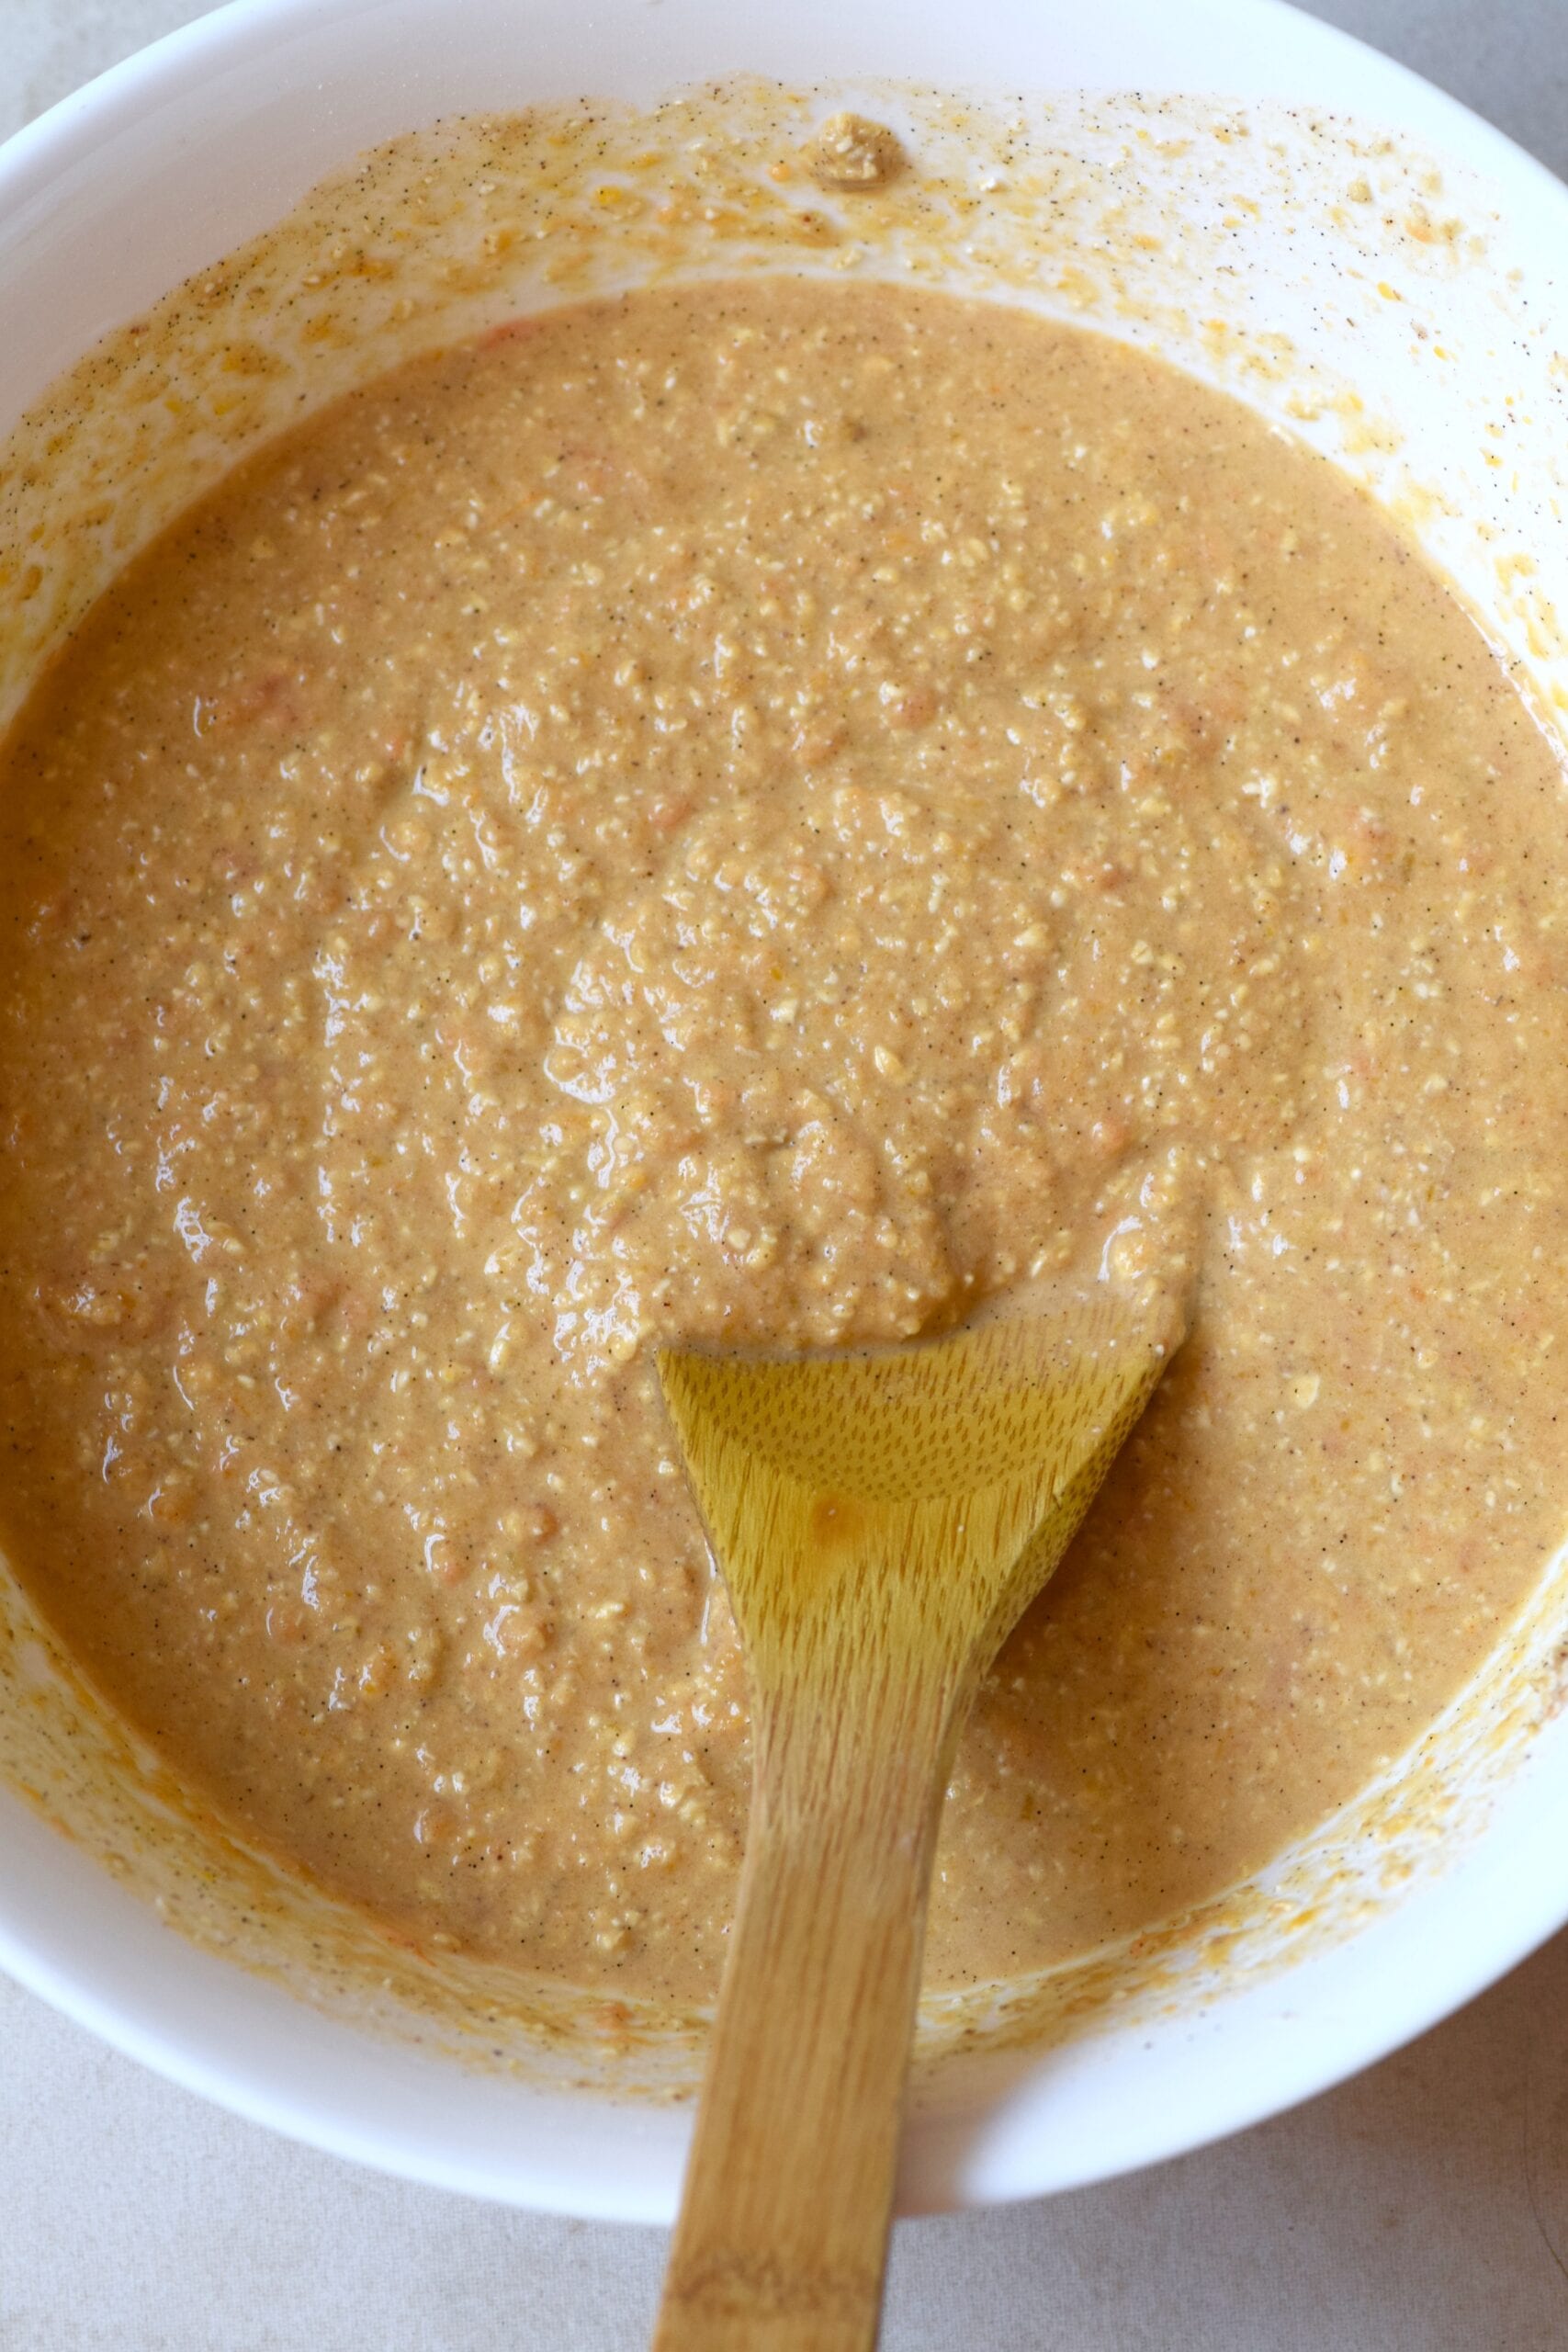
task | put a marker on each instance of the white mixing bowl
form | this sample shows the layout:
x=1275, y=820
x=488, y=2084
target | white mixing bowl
x=1337, y=243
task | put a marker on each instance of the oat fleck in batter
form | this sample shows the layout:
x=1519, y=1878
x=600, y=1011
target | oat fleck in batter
x=769, y=815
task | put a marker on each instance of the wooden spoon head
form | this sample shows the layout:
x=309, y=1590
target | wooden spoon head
x=898, y=1510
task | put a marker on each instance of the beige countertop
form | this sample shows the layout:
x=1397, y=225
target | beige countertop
x=1422, y=2208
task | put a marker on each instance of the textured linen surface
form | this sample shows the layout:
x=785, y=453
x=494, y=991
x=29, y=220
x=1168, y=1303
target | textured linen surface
x=1423, y=2208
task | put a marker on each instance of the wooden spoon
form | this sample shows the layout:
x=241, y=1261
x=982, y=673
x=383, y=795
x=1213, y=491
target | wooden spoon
x=882, y=1521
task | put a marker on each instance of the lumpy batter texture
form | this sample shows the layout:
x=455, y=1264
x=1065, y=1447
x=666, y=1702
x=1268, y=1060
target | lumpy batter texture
x=769, y=815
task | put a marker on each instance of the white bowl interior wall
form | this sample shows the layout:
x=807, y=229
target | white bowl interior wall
x=1325, y=236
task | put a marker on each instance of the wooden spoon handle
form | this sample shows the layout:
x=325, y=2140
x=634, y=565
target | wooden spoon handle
x=783, y=2237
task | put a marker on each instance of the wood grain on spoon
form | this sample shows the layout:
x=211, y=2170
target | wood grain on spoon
x=882, y=1521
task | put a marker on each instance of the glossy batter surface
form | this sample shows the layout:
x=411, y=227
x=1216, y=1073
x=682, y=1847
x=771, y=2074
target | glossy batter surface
x=770, y=814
